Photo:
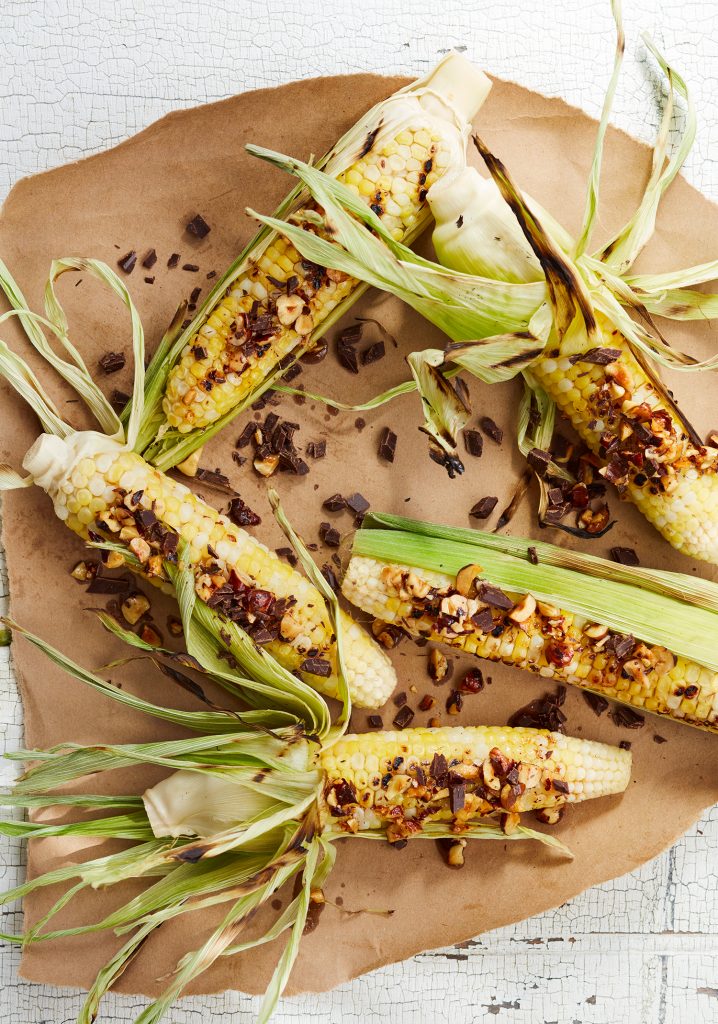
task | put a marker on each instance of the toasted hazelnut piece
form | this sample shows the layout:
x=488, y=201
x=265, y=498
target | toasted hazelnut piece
x=549, y=610
x=466, y=579
x=336, y=275
x=529, y=775
x=523, y=611
x=438, y=665
x=665, y=661
x=203, y=587
x=150, y=635
x=267, y=466
x=218, y=579
x=155, y=565
x=388, y=634
x=141, y=549
x=191, y=464
x=289, y=628
x=174, y=625
x=128, y=533
x=416, y=587
x=466, y=771
x=550, y=815
x=434, y=723
x=84, y=571
x=189, y=396
x=317, y=896
x=490, y=779
x=455, y=604
x=122, y=515
x=289, y=308
x=113, y=559
x=110, y=521
x=304, y=324
x=510, y=822
x=455, y=855
x=636, y=670
x=134, y=607
x=596, y=631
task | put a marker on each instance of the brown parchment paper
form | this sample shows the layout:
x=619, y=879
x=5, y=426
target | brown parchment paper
x=141, y=194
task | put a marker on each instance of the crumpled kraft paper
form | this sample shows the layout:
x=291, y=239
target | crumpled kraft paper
x=142, y=194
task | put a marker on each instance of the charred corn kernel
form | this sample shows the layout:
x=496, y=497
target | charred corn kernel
x=248, y=337
x=642, y=444
x=399, y=779
x=555, y=647
x=52, y=461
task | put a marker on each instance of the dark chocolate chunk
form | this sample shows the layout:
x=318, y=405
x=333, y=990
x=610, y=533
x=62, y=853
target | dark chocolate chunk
x=191, y=267
x=426, y=703
x=484, y=507
x=539, y=461
x=149, y=280
x=659, y=739
x=316, y=667
x=374, y=353
x=241, y=514
x=111, y=362
x=246, y=436
x=490, y=594
x=150, y=259
x=347, y=356
x=173, y=260
x=542, y=713
x=109, y=585
x=439, y=770
x=196, y=292
x=399, y=699
x=329, y=535
x=595, y=701
x=483, y=620
x=316, y=449
x=315, y=354
x=624, y=556
x=198, y=227
x=621, y=645
x=626, y=717
x=457, y=794
x=331, y=577
x=474, y=443
x=335, y=503
x=215, y=478
x=403, y=717
x=287, y=553
x=119, y=400
x=533, y=556
x=598, y=356
x=491, y=429
x=357, y=503
x=375, y=722
x=387, y=444
x=127, y=263
x=292, y=373
x=625, y=744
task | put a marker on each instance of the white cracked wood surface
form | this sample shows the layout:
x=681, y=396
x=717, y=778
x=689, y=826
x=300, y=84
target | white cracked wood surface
x=78, y=77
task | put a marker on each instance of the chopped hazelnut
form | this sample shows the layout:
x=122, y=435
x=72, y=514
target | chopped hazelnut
x=466, y=579
x=550, y=815
x=597, y=631
x=134, y=607
x=438, y=665
x=523, y=611
x=128, y=533
x=549, y=610
x=510, y=822
x=141, y=549
x=265, y=467
x=455, y=856
x=289, y=308
x=191, y=464
x=84, y=571
x=304, y=324
x=113, y=559
x=416, y=587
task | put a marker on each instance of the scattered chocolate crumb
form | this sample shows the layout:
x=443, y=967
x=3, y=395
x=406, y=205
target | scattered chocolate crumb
x=624, y=556
x=597, y=356
x=241, y=514
x=625, y=744
x=211, y=274
x=292, y=373
x=403, y=717
x=484, y=507
x=358, y=504
x=150, y=259
x=149, y=280
x=316, y=449
x=375, y=722
x=215, y=478
x=198, y=227
x=173, y=260
x=119, y=400
x=474, y=443
x=492, y=430
x=533, y=556
x=246, y=436
x=595, y=701
x=111, y=362
x=398, y=844
x=287, y=553
x=359, y=423
x=626, y=717
x=191, y=267
x=239, y=459
x=460, y=220
x=127, y=263
x=659, y=739
x=387, y=444
x=399, y=699
x=331, y=577
x=542, y=713
x=427, y=702
x=196, y=292
x=335, y=503
x=316, y=354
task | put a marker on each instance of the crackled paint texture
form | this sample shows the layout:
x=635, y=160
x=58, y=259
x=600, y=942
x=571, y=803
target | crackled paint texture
x=78, y=77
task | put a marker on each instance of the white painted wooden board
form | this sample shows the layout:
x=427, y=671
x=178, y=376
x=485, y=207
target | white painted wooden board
x=77, y=76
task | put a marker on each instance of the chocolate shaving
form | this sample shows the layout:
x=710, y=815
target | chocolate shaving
x=150, y=259
x=624, y=556
x=331, y=577
x=495, y=597
x=335, y=503
x=198, y=227
x=626, y=717
x=246, y=436
x=111, y=362
x=387, y=444
x=173, y=260
x=374, y=353
x=595, y=701
x=329, y=535
x=457, y=794
x=439, y=770
x=214, y=478
x=316, y=449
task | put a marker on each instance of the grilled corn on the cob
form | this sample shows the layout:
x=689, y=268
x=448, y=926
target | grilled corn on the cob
x=518, y=630
x=399, y=780
x=279, y=301
x=98, y=485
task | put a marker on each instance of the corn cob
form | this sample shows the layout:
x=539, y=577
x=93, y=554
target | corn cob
x=643, y=446
x=399, y=780
x=518, y=630
x=99, y=485
x=279, y=300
